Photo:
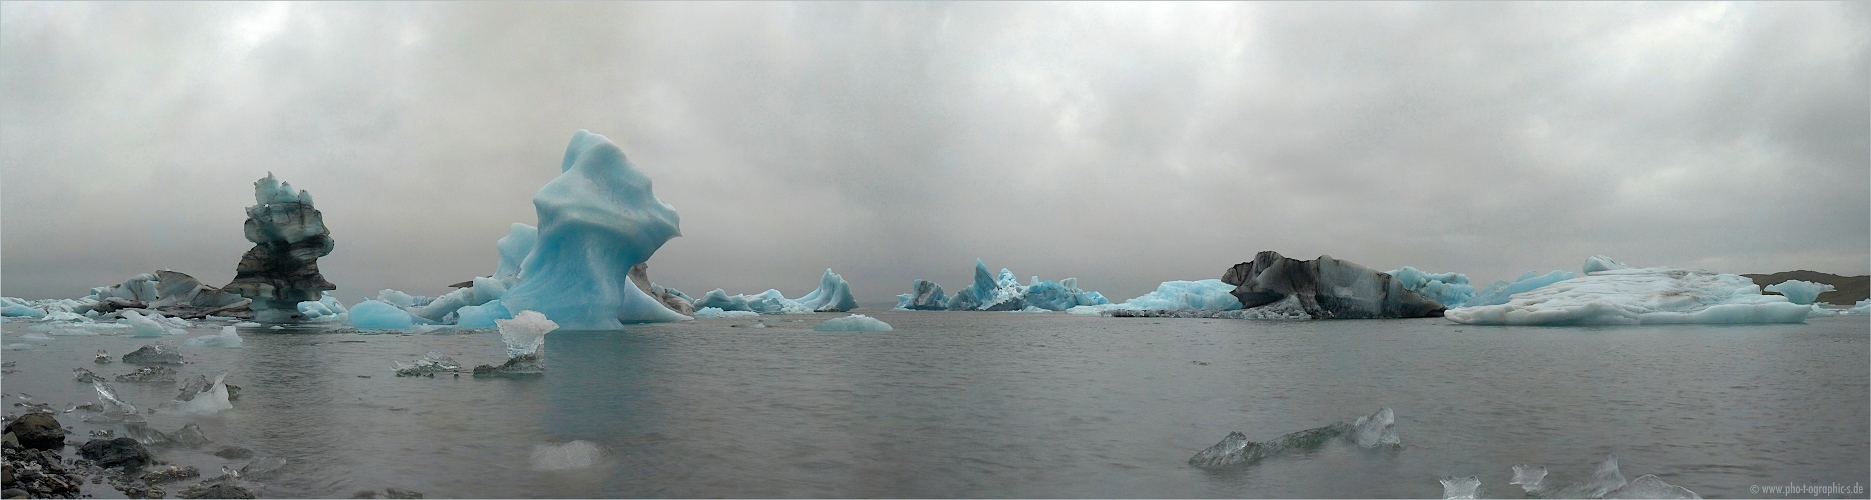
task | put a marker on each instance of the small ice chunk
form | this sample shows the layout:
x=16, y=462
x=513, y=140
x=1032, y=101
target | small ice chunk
x=525, y=334
x=1606, y=478
x=154, y=354
x=1651, y=486
x=1461, y=487
x=209, y=401
x=1376, y=429
x=1529, y=477
x=227, y=338
x=571, y=455
x=430, y=364
x=107, y=396
x=853, y=323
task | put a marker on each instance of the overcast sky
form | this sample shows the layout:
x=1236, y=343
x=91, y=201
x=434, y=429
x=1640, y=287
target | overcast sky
x=1124, y=144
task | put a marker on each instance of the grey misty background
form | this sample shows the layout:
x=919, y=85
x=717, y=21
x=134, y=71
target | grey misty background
x=1124, y=144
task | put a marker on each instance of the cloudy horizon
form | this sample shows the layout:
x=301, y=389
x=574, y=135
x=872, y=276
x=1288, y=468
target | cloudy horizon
x=1122, y=144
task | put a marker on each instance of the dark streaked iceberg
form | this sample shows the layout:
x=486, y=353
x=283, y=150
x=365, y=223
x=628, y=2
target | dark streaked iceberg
x=1326, y=288
x=289, y=236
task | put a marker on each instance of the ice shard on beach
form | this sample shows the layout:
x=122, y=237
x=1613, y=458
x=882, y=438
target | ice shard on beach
x=598, y=219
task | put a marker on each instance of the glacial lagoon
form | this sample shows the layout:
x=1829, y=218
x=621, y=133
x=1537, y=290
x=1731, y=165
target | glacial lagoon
x=990, y=404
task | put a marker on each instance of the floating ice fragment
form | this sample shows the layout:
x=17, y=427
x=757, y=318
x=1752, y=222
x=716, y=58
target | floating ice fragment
x=212, y=400
x=1461, y=487
x=853, y=323
x=154, y=354
x=148, y=326
x=1528, y=477
x=1370, y=431
x=1651, y=486
x=571, y=455
x=228, y=338
x=525, y=333
x=716, y=312
x=1606, y=478
x=430, y=364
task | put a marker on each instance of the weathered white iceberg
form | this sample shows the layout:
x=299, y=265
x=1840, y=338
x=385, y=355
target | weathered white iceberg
x=853, y=323
x=1655, y=295
x=1800, y=292
x=1201, y=295
x=596, y=220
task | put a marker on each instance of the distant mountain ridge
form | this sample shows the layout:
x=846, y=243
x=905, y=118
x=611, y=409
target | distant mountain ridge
x=1851, y=289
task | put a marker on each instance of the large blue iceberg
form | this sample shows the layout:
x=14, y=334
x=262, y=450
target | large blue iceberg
x=598, y=219
x=1001, y=292
x=1612, y=294
x=832, y=295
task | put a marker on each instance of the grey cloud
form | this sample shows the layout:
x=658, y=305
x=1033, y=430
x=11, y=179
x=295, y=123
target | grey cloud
x=1125, y=144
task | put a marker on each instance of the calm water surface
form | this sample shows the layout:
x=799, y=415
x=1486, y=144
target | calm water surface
x=1017, y=405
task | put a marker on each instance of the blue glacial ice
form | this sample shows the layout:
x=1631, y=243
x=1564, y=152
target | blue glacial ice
x=1655, y=295
x=1863, y=307
x=716, y=312
x=1598, y=263
x=1202, y=295
x=482, y=316
x=1002, y=292
x=598, y=219
x=380, y=315
x=514, y=247
x=1448, y=289
x=853, y=323
x=325, y=309
x=924, y=296
x=1501, y=291
x=1800, y=292
x=832, y=295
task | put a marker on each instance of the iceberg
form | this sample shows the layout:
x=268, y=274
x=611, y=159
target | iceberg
x=1371, y=431
x=598, y=219
x=924, y=296
x=379, y=315
x=1002, y=292
x=1800, y=292
x=671, y=298
x=14, y=307
x=1448, y=289
x=1201, y=295
x=832, y=295
x=179, y=294
x=716, y=312
x=853, y=323
x=1630, y=296
x=1326, y=288
x=227, y=338
x=289, y=236
x=1863, y=307
x=1500, y=292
